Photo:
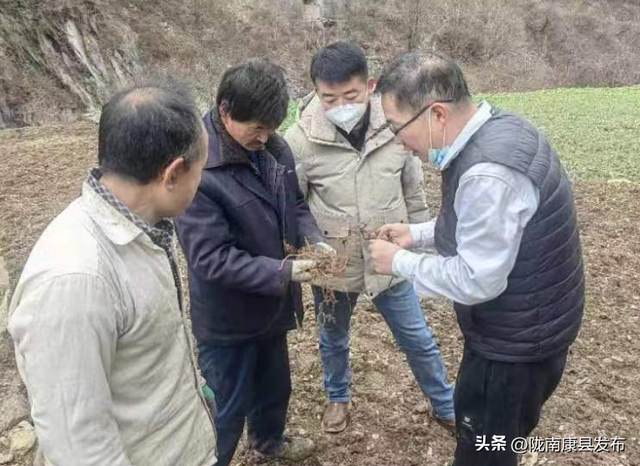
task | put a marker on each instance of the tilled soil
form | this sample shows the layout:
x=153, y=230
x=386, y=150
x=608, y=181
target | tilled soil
x=43, y=169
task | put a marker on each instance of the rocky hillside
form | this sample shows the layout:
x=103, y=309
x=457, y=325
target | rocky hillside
x=59, y=59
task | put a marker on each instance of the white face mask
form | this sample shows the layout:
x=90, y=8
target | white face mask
x=346, y=116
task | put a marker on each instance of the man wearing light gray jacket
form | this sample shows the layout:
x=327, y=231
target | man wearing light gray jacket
x=355, y=178
x=97, y=317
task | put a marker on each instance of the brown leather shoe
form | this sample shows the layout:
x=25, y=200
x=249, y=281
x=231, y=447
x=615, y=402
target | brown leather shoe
x=448, y=424
x=336, y=418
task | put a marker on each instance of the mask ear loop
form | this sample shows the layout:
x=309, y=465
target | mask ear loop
x=430, y=134
x=444, y=137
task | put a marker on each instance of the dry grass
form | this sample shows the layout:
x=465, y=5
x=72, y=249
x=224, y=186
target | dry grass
x=505, y=45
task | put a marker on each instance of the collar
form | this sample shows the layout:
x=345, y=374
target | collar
x=224, y=150
x=120, y=223
x=484, y=113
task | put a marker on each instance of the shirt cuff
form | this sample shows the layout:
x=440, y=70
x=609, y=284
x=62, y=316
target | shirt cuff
x=422, y=234
x=405, y=264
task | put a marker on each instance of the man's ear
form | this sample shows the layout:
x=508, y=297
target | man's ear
x=173, y=171
x=371, y=85
x=223, y=109
x=440, y=112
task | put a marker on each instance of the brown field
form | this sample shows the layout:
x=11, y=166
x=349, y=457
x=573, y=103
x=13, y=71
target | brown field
x=42, y=170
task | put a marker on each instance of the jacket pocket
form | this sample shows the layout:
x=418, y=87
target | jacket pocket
x=332, y=227
x=397, y=214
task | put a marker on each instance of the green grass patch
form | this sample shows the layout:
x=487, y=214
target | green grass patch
x=292, y=116
x=595, y=131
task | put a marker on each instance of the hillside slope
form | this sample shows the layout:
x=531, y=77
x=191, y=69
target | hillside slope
x=59, y=59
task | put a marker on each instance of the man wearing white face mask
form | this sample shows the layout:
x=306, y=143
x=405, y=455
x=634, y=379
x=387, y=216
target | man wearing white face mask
x=355, y=179
x=508, y=246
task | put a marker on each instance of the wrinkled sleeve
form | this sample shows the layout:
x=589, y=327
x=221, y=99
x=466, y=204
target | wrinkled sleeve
x=66, y=332
x=294, y=136
x=423, y=234
x=307, y=225
x=492, y=216
x=413, y=190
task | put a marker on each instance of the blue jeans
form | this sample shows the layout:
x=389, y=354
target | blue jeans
x=401, y=309
x=251, y=381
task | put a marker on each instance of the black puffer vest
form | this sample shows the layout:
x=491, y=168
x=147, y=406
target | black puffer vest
x=540, y=312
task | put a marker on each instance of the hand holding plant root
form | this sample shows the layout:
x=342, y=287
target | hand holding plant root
x=398, y=233
x=318, y=264
x=385, y=243
x=323, y=267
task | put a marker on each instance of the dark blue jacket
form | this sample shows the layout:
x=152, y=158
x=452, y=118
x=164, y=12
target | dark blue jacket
x=233, y=236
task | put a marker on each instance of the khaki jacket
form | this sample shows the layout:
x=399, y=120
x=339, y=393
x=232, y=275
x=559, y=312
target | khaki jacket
x=350, y=192
x=103, y=348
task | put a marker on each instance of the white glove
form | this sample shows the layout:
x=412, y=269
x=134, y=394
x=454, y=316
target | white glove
x=324, y=247
x=301, y=271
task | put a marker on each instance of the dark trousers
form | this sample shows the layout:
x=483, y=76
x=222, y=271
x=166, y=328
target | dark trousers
x=252, y=381
x=500, y=399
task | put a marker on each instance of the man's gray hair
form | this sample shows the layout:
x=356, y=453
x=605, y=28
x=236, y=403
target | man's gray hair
x=416, y=79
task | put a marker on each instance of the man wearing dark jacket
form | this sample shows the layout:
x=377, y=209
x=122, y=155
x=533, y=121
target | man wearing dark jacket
x=244, y=296
x=508, y=247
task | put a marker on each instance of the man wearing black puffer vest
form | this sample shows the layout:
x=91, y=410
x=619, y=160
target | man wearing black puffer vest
x=508, y=250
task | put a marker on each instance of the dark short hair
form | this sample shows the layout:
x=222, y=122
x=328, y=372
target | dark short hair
x=145, y=128
x=415, y=79
x=255, y=91
x=339, y=62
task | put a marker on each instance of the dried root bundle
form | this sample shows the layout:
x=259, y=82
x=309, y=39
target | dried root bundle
x=327, y=275
x=329, y=266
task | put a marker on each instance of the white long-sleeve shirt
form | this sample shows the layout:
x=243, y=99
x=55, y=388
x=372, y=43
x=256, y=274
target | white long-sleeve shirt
x=493, y=203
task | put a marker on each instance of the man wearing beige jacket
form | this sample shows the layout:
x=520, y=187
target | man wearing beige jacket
x=356, y=178
x=97, y=316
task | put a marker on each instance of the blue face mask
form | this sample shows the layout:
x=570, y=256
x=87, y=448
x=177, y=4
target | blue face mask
x=437, y=156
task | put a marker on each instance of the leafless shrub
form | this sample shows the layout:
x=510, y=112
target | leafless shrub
x=504, y=45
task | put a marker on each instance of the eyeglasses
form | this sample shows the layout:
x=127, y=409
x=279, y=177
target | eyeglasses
x=397, y=131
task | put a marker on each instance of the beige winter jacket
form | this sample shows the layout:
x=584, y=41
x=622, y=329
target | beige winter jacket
x=103, y=348
x=352, y=192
